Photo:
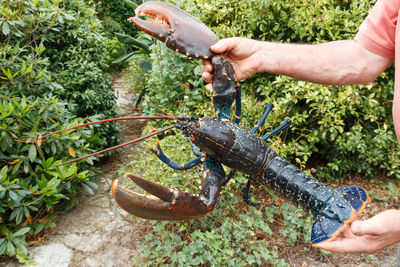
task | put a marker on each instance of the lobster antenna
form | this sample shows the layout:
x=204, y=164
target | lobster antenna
x=119, y=146
x=163, y=113
x=108, y=120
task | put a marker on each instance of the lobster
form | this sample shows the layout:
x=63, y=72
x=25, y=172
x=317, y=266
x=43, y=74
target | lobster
x=216, y=141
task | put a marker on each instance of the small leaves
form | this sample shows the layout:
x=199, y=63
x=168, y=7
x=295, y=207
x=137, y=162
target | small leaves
x=6, y=30
x=32, y=153
x=21, y=231
x=71, y=151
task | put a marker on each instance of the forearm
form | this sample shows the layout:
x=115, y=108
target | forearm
x=334, y=63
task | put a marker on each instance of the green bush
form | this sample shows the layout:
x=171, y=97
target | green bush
x=30, y=187
x=115, y=14
x=53, y=62
x=173, y=83
x=65, y=54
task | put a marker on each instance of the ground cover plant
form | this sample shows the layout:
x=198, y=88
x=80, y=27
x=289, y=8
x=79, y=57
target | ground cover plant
x=332, y=126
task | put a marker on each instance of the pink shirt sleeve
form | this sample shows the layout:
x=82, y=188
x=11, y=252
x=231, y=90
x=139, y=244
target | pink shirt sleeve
x=377, y=32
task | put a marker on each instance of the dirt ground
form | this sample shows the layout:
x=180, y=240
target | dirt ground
x=96, y=233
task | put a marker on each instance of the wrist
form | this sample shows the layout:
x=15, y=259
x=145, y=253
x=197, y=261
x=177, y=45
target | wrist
x=267, y=57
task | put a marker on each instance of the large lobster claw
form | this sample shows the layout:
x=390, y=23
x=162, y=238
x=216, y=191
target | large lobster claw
x=179, y=30
x=167, y=204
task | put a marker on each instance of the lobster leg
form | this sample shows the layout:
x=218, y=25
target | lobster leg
x=246, y=195
x=284, y=126
x=238, y=101
x=174, y=165
x=261, y=122
x=196, y=151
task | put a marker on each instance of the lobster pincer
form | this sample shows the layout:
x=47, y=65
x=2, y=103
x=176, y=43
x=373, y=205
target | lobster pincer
x=167, y=204
x=180, y=31
x=189, y=36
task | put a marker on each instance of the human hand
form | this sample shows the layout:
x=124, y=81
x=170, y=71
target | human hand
x=367, y=236
x=241, y=52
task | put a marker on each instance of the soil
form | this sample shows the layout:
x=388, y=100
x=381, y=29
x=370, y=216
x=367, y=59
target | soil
x=97, y=233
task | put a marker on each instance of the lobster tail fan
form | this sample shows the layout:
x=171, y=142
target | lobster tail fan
x=325, y=228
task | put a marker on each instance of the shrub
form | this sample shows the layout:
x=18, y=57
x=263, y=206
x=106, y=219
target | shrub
x=53, y=63
x=115, y=16
x=65, y=54
x=30, y=187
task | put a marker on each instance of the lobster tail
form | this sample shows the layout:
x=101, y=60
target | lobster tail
x=332, y=208
x=345, y=204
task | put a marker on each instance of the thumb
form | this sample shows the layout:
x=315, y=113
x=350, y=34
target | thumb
x=223, y=45
x=367, y=227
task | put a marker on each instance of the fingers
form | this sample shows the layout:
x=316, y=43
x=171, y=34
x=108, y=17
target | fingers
x=207, y=66
x=223, y=45
x=346, y=245
x=207, y=70
x=209, y=87
x=372, y=226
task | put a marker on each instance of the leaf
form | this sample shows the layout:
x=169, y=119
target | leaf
x=131, y=4
x=71, y=151
x=13, y=195
x=68, y=17
x=39, y=141
x=32, y=153
x=39, y=228
x=4, y=230
x=3, y=245
x=21, y=231
x=6, y=28
x=144, y=65
x=10, y=249
x=28, y=216
x=126, y=39
x=14, y=161
x=3, y=173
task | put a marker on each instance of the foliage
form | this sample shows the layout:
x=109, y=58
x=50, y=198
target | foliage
x=140, y=45
x=336, y=130
x=30, y=187
x=64, y=54
x=173, y=83
x=115, y=14
x=53, y=63
x=284, y=21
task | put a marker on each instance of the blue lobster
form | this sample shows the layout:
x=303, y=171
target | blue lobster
x=217, y=141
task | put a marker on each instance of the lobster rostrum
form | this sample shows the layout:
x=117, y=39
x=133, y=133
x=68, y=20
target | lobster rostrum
x=216, y=141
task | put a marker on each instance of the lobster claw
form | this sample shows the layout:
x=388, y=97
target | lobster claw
x=167, y=204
